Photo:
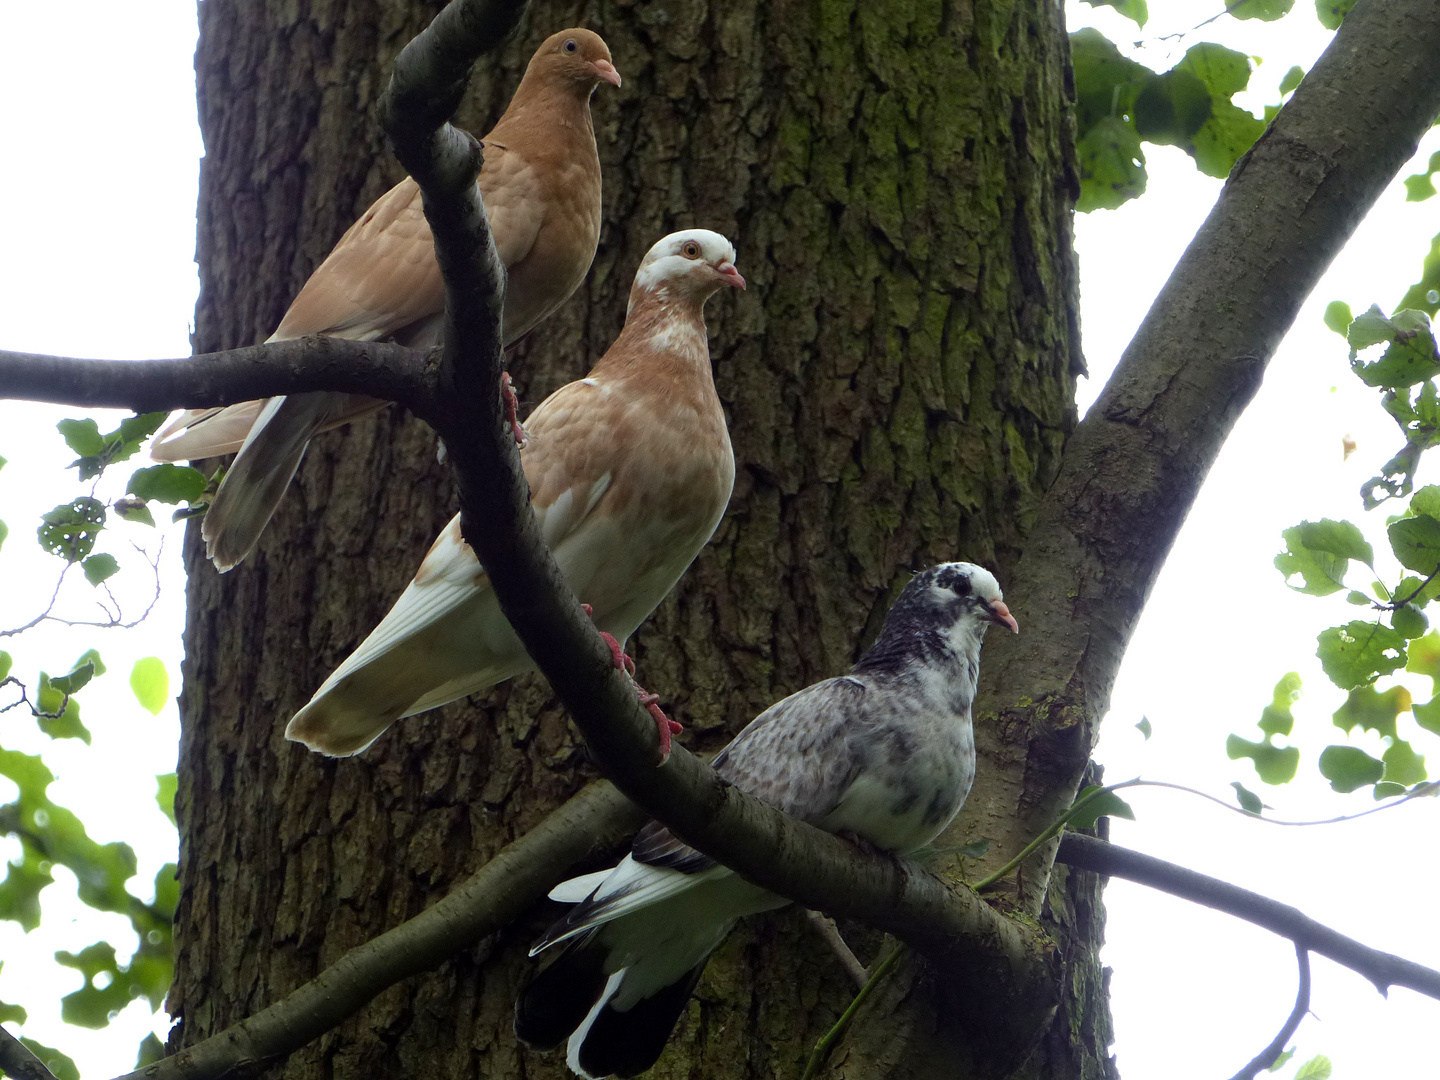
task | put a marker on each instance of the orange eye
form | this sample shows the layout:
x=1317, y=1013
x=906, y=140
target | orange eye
x=691, y=250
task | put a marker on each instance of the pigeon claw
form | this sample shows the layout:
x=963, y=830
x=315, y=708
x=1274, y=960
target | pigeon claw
x=512, y=410
x=617, y=654
x=663, y=723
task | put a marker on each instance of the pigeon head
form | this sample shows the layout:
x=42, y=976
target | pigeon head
x=942, y=611
x=688, y=265
x=576, y=58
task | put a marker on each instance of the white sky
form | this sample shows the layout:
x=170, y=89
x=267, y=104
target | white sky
x=98, y=261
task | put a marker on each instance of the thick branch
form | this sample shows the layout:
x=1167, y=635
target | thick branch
x=596, y=819
x=378, y=370
x=1381, y=968
x=18, y=1062
x=1135, y=464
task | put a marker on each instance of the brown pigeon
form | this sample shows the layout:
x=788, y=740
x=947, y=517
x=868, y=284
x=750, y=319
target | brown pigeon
x=629, y=469
x=540, y=183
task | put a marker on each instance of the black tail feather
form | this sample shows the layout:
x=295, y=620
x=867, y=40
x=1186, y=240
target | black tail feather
x=557, y=999
x=627, y=1043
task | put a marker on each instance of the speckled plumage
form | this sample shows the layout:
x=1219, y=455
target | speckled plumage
x=630, y=470
x=540, y=183
x=886, y=753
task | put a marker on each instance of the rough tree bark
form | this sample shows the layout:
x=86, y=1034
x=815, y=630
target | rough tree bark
x=898, y=381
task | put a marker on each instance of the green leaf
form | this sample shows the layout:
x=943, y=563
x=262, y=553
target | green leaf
x=133, y=509
x=1371, y=710
x=1428, y=715
x=99, y=567
x=1402, y=764
x=69, y=530
x=1230, y=130
x=1134, y=10
x=1318, y=1067
x=1319, y=551
x=1359, y=652
x=165, y=786
x=1273, y=764
x=1411, y=357
x=1426, y=501
x=82, y=436
x=1104, y=804
x=1337, y=313
x=1277, y=719
x=1385, y=790
x=1265, y=10
x=60, y=1065
x=51, y=697
x=151, y=683
x=1288, y=83
x=4, y=532
x=1275, y=1065
x=1144, y=727
x=1349, y=767
x=1249, y=801
x=167, y=484
x=75, y=680
x=91, y=656
x=5, y=663
x=975, y=849
x=1416, y=543
x=1330, y=13
x=1409, y=621
x=1172, y=108
x=1424, y=295
x=1112, y=166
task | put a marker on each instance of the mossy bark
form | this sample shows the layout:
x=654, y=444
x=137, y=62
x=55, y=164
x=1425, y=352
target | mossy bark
x=898, y=379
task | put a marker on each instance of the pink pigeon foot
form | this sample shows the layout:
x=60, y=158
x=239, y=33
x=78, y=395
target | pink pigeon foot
x=663, y=723
x=512, y=410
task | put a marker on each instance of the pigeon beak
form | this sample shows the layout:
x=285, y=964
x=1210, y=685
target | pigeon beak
x=1000, y=614
x=730, y=275
x=607, y=73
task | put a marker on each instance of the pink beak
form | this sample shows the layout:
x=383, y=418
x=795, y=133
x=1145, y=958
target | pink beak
x=730, y=275
x=606, y=70
x=1000, y=614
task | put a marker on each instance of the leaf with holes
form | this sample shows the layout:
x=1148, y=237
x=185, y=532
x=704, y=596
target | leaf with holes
x=70, y=530
x=1416, y=543
x=1371, y=710
x=1319, y=552
x=1359, y=652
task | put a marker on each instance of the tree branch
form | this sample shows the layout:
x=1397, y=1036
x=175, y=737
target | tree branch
x=376, y=369
x=17, y=1062
x=598, y=818
x=1381, y=968
x=1266, y=1057
x=1133, y=467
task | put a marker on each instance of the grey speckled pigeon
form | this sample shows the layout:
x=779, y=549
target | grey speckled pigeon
x=885, y=753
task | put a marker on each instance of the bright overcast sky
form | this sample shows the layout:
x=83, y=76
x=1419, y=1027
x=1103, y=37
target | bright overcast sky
x=98, y=261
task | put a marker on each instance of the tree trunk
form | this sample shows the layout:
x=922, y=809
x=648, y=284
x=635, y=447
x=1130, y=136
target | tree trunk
x=897, y=179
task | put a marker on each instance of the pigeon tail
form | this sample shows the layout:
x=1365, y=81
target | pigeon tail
x=573, y=1000
x=261, y=472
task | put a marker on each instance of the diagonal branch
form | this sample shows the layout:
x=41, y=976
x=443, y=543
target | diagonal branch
x=18, y=1062
x=377, y=369
x=597, y=819
x=1133, y=467
x=1381, y=968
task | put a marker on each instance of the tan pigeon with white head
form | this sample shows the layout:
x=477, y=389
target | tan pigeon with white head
x=540, y=183
x=630, y=470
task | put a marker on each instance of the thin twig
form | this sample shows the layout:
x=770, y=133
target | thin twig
x=827, y=1041
x=1426, y=790
x=1267, y=1057
x=826, y=928
x=17, y=1062
x=1383, y=969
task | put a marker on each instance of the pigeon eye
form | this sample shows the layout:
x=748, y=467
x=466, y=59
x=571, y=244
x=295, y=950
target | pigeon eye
x=959, y=584
x=571, y=45
x=691, y=250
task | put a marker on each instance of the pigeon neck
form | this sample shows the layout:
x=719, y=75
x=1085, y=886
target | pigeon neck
x=911, y=643
x=665, y=319
x=547, y=107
